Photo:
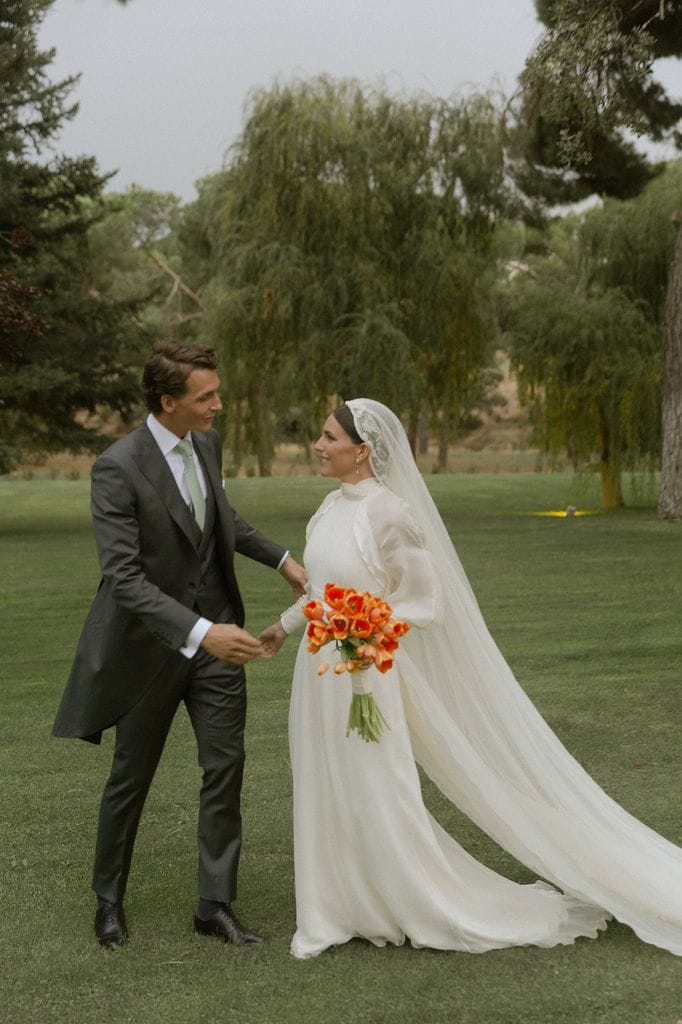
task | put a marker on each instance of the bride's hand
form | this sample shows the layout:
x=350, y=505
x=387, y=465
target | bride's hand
x=272, y=639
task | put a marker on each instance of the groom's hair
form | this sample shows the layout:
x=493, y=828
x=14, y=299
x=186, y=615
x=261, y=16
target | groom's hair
x=168, y=367
x=344, y=417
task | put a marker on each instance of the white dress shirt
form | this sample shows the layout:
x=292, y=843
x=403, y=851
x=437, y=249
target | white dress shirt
x=167, y=442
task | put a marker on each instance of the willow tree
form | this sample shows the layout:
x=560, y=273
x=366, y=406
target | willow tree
x=587, y=356
x=349, y=239
x=454, y=268
x=587, y=85
x=637, y=245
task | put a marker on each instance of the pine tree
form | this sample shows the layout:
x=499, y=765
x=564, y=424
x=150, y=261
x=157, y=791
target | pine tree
x=64, y=351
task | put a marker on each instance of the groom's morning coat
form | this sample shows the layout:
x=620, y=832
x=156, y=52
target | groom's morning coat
x=149, y=552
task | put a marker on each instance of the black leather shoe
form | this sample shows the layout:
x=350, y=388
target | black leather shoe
x=110, y=925
x=225, y=925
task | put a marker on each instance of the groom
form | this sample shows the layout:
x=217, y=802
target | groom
x=165, y=627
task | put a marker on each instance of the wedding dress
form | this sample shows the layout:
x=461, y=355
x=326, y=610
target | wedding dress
x=370, y=861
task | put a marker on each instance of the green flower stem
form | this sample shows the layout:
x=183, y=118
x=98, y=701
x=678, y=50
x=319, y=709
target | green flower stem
x=365, y=718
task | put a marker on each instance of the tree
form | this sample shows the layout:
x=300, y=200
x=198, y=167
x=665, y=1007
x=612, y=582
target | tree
x=670, y=498
x=588, y=81
x=349, y=243
x=135, y=258
x=587, y=85
x=66, y=351
x=585, y=356
x=611, y=262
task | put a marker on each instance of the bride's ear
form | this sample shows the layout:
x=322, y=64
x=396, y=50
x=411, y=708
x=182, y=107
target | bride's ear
x=363, y=452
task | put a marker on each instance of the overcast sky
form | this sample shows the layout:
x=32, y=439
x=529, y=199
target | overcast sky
x=164, y=82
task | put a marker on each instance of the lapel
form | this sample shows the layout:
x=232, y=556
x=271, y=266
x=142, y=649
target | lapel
x=211, y=465
x=208, y=463
x=154, y=467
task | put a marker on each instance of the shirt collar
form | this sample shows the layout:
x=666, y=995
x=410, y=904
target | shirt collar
x=164, y=437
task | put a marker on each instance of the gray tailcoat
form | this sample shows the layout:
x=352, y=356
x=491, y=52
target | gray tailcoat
x=146, y=604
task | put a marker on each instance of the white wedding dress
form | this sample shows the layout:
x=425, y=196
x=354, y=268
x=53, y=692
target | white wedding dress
x=369, y=859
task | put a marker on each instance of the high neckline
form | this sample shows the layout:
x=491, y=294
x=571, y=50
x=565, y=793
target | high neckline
x=362, y=489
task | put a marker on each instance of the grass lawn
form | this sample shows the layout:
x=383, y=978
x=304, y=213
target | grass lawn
x=587, y=610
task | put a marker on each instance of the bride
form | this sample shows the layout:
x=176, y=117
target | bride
x=370, y=861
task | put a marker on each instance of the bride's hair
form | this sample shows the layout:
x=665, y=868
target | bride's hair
x=344, y=417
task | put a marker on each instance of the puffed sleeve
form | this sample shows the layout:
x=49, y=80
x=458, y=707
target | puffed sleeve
x=292, y=618
x=398, y=547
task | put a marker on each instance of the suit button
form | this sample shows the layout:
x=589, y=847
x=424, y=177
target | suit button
x=191, y=586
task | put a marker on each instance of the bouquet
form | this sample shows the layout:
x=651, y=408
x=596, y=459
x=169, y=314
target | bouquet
x=364, y=634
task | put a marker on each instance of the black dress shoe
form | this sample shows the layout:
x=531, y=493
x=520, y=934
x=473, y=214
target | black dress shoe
x=110, y=925
x=225, y=925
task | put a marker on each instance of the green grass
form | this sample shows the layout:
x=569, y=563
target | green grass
x=587, y=611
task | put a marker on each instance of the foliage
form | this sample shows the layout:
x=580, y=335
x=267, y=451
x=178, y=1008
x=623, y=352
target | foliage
x=65, y=350
x=587, y=356
x=135, y=258
x=629, y=244
x=348, y=248
x=590, y=82
x=587, y=84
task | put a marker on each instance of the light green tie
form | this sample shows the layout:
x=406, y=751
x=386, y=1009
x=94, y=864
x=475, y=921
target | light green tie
x=192, y=481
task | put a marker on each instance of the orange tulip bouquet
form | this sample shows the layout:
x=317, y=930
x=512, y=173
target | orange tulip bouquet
x=364, y=634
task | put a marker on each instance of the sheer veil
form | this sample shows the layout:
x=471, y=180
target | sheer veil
x=483, y=742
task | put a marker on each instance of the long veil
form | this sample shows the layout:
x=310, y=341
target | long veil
x=488, y=749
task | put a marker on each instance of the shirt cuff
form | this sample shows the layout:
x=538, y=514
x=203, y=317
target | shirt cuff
x=197, y=634
x=293, y=618
x=283, y=560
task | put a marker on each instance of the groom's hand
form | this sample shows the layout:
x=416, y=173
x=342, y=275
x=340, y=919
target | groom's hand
x=272, y=638
x=228, y=642
x=295, y=575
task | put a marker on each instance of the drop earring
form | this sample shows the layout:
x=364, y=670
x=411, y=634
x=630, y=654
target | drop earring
x=357, y=467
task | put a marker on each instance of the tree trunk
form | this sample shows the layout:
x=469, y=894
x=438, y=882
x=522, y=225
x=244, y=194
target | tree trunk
x=264, y=440
x=611, y=489
x=412, y=430
x=670, y=497
x=237, y=435
x=260, y=418
x=423, y=430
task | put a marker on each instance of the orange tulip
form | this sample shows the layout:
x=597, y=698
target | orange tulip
x=348, y=616
x=383, y=660
x=380, y=613
x=367, y=652
x=388, y=643
x=334, y=596
x=339, y=626
x=318, y=633
x=355, y=604
x=362, y=628
x=313, y=610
